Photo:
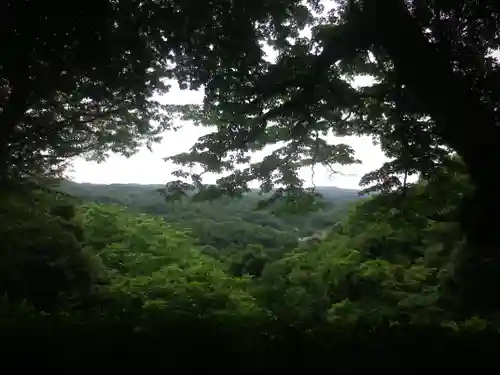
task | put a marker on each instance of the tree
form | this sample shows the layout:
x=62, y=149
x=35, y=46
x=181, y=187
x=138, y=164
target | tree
x=392, y=110
x=42, y=259
x=159, y=271
x=249, y=262
x=433, y=94
x=79, y=80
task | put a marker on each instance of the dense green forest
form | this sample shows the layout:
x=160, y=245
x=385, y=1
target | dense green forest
x=132, y=275
x=386, y=258
x=270, y=227
x=383, y=258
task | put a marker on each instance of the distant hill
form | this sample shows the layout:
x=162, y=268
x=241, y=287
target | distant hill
x=146, y=199
x=125, y=193
x=336, y=193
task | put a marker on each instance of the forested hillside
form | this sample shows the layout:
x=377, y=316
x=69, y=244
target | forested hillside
x=387, y=259
x=384, y=258
x=230, y=229
x=147, y=199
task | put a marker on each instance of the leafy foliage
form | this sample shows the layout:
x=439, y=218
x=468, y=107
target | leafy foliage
x=391, y=261
x=308, y=92
x=404, y=244
x=224, y=226
x=42, y=258
x=159, y=268
x=82, y=81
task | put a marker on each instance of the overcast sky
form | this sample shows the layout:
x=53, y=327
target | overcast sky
x=148, y=167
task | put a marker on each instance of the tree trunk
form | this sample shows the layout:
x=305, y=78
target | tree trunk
x=463, y=121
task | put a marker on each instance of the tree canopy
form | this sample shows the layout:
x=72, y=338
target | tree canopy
x=433, y=94
x=81, y=80
x=83, y=83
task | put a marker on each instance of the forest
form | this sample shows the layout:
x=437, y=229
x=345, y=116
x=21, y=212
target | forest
x=120, y=256
x=284, y=276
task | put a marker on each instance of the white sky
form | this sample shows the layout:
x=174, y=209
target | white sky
x=148, y=167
